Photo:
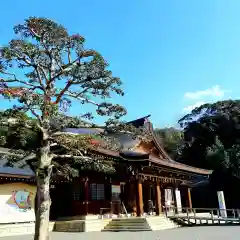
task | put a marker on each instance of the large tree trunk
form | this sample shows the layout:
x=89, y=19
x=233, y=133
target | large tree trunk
x=43, y=201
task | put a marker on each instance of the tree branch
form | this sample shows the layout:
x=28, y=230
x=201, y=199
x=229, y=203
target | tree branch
x=76, y=96
x=35, y=66
x=59, y=96
x=23, y=58
x=69, y=156
x=18, y=80
x=33, y=112
x=69, y=55
x=48, y=53
x=64, y=69
x=67, y=87
x=39, y=77
x=68, y=67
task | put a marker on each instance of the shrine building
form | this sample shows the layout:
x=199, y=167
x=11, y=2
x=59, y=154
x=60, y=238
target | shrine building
x=144, y=174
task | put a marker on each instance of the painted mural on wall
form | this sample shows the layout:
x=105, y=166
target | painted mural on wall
x=22, y=200
x=17, y=202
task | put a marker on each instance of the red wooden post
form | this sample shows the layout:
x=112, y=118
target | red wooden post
x=86, y=191
x=174, y=205
x=158, y=199
x=139, y=199
x=189, y=198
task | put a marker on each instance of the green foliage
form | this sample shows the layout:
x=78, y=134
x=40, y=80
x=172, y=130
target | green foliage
x=56, y=69
x=17, y=136
x=50, y=58
x=212, y=136
x=171, y=139
x=23, y=140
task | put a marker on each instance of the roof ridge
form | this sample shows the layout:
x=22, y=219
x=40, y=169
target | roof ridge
x=168, y=158
x=180, y=166
x=158, y=144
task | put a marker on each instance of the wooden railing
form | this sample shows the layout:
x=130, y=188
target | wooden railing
x=196, y=216
x=114, y=207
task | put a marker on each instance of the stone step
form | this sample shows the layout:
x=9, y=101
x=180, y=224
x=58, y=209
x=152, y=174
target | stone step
x=127, y=230
x=140, y=224
x=127, y=226
x=129, y=220
x=160, y=223
x=129, y=223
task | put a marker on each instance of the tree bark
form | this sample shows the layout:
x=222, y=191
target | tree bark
x=43, y=201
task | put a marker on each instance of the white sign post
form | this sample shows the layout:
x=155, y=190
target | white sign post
x=168, y=199
x=178, y=200
x=221, y=203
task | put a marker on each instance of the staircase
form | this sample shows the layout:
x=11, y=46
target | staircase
x=161, y=223
x=136, y=224
x=132, y=224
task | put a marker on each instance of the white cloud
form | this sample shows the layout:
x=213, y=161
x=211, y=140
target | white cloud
x=215, y=92
x=189, y=108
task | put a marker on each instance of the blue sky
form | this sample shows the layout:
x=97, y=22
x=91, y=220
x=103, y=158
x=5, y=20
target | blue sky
x=170, y=54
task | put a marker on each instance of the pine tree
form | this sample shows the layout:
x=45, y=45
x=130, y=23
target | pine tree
x=54, y=69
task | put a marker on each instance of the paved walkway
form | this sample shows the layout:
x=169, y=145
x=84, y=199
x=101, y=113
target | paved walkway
x=191, y=233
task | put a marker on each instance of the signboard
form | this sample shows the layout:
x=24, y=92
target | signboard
x=178, y=199
x=221, y=203
x=116, y=190
x=168, y=199
x=168, y=196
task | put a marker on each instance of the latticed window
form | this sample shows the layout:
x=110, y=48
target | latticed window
x=97, y=191
x=77, y=193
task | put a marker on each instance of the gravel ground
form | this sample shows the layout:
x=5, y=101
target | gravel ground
x=191, y=233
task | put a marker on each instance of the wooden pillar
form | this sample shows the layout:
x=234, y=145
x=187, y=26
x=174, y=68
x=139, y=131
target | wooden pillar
x=158, y=204
x=131, y=197
x=163, y=198
x=189, y=198
x=147, y=191
x=110, y=191
x=139, y=198
x=174, y=199
x=86, y=193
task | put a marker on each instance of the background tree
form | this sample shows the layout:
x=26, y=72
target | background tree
x=14, y=136
x=54, y=68
x=212, y=136
x=171, y=139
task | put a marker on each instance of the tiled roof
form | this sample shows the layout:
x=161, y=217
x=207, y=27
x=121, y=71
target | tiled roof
x=126, y=143
x=179, y=166
x=162, y=162
x=26, y=171
x=16, y=171
x=83, y=130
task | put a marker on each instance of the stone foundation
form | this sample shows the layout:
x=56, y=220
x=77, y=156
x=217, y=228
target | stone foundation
x=88, y=225
x=19, y=229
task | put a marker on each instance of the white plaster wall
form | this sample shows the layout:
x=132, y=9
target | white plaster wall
x=9, y=211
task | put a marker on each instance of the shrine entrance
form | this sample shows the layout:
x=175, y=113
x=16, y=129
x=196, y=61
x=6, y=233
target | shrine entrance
x=61, y=201
x=148, y=196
